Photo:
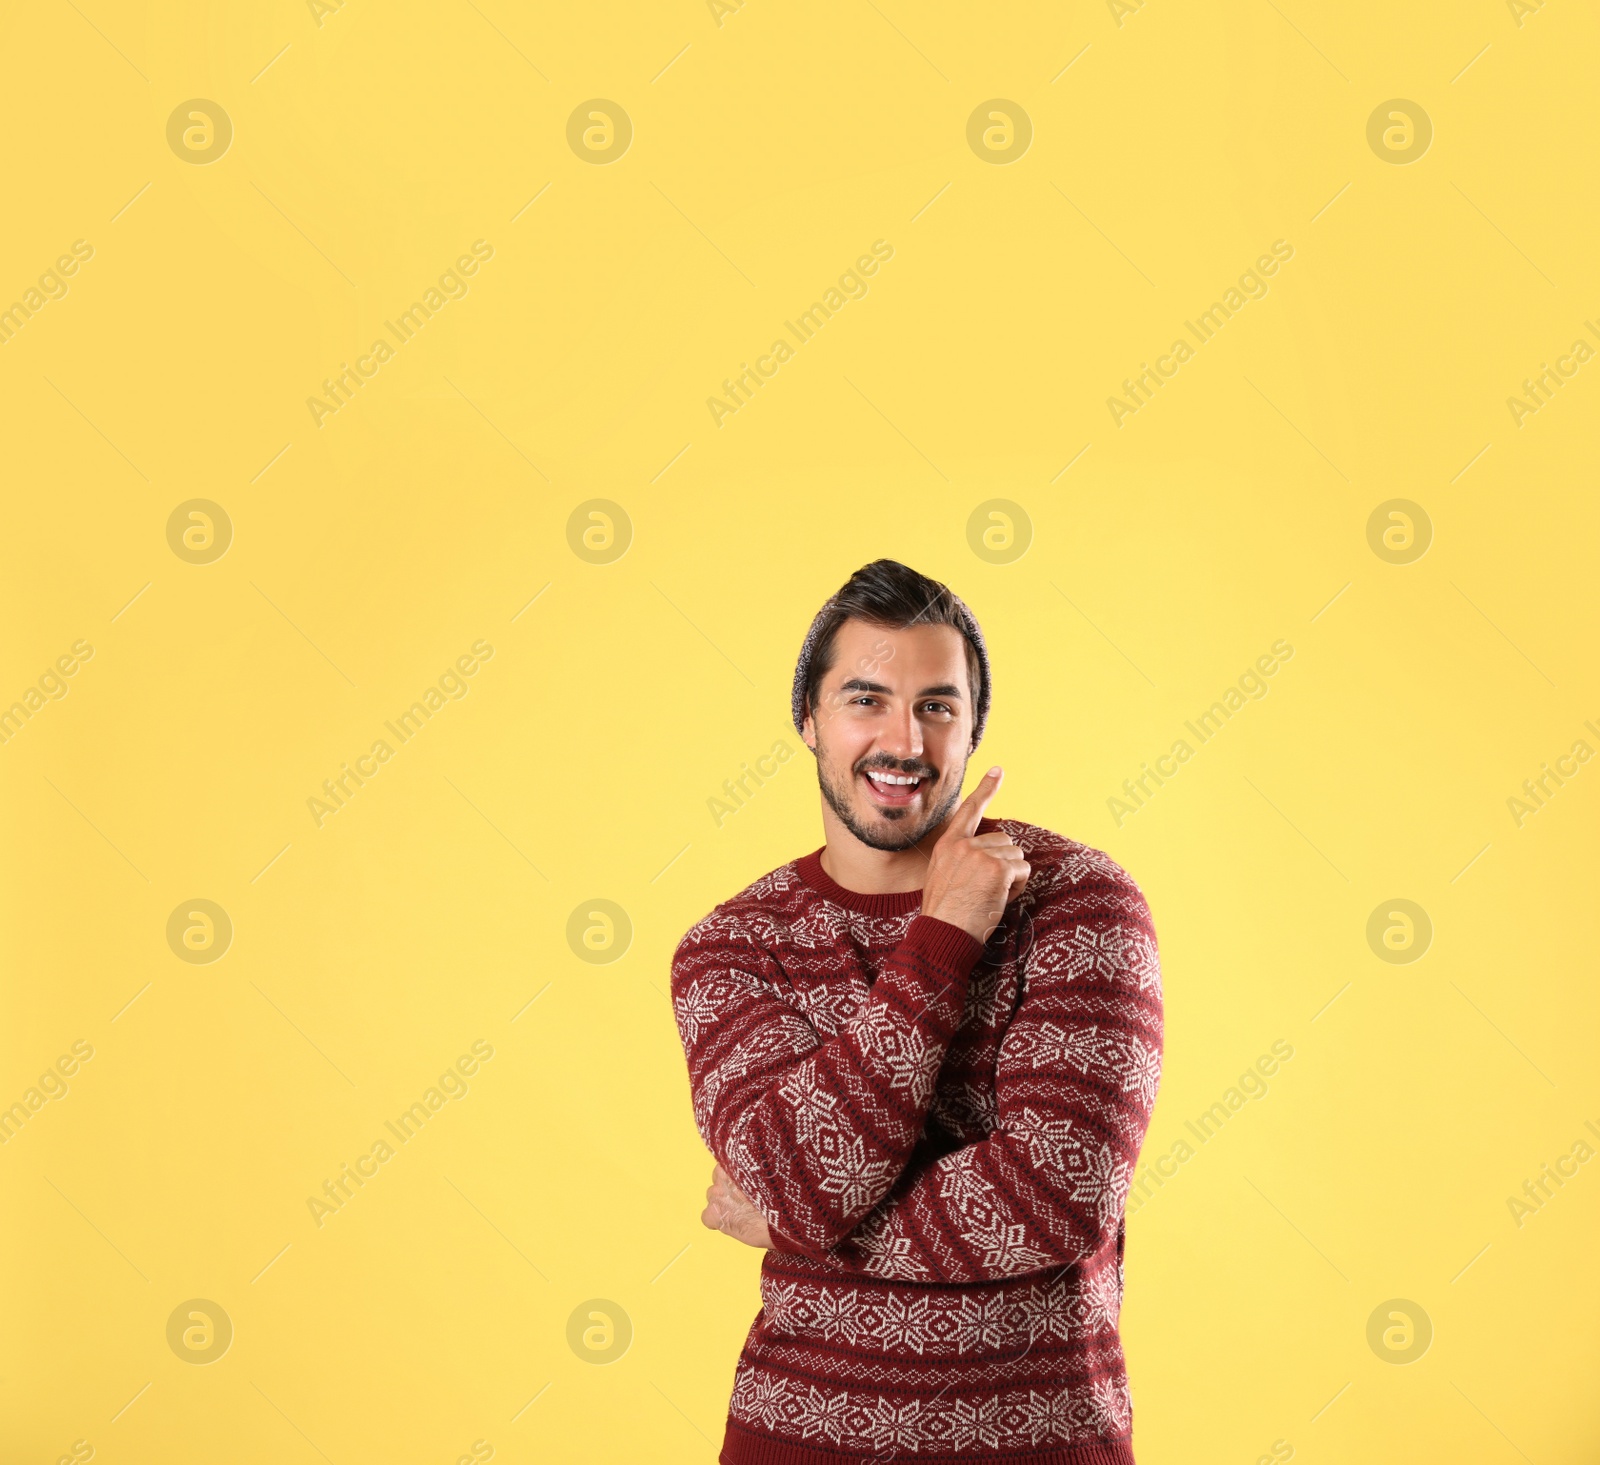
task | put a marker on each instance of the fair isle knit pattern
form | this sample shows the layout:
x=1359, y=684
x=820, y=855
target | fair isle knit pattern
x=940, y=1135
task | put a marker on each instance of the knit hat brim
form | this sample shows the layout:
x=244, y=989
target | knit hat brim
x=969, y=627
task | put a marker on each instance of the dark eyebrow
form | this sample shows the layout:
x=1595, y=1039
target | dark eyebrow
x=860, y=684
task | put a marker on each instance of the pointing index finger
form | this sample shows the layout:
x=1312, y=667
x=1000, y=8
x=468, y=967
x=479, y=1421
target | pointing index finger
x=967, y=816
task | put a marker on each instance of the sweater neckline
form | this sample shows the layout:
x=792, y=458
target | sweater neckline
x=892, y=903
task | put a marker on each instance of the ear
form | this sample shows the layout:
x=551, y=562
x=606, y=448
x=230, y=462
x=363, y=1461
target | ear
x=808, y=732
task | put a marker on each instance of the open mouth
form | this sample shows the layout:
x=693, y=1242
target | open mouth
x=893, y=790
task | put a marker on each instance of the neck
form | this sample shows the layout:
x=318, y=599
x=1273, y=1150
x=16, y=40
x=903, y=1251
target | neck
x=869, y=871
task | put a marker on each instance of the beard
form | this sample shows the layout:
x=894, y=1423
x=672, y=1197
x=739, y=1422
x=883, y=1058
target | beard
x=839, y=790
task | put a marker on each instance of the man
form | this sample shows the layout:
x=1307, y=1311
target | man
x=924, y=1057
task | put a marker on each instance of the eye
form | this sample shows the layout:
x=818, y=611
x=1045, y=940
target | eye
x=937, y=707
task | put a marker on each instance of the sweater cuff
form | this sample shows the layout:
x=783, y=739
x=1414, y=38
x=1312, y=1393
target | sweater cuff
x=950, y=950
x=782, y=1243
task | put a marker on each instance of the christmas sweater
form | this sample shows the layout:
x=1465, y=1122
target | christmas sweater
x=940, y=1134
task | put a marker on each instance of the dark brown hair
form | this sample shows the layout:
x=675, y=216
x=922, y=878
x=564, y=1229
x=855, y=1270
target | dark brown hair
x=890, y=594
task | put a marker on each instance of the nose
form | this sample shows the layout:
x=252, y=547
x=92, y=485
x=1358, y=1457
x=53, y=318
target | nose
x=901, y=735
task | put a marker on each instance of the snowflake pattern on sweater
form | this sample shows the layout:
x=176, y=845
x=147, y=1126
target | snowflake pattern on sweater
x=941, y=1135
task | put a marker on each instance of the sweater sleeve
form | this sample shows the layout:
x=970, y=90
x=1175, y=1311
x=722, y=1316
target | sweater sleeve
x=814, y=1131
x=1076, y=1080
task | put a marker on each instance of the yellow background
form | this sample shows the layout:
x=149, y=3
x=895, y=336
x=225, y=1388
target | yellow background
x=1171, y=145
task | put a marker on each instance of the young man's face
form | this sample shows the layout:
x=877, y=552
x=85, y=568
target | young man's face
x=895, y=702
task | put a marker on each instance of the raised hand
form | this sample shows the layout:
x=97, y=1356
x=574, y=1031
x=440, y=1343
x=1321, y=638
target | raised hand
x=972, y=876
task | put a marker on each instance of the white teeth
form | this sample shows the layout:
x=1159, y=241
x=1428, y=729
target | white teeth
x=893, y=778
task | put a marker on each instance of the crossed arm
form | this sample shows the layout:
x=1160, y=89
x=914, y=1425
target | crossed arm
x=1076, y=1080
x=730, y=1211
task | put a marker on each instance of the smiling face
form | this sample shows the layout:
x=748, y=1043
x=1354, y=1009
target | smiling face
x=891, y=728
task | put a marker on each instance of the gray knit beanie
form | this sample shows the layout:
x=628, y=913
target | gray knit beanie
x=969, y=627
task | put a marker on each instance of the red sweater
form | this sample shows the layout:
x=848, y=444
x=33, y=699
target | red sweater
x=940, y=1135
